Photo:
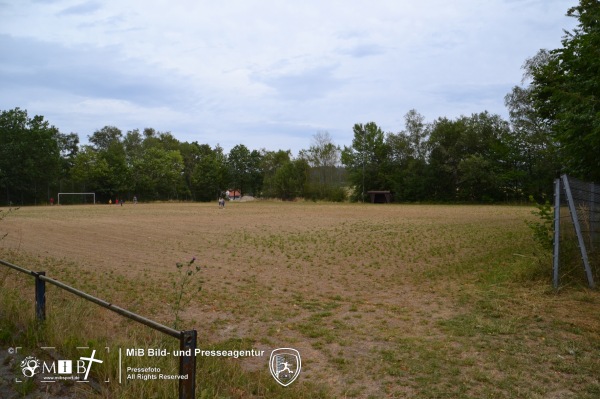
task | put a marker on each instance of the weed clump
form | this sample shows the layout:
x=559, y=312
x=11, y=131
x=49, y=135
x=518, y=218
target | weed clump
x=182, y=285
x=542, y=228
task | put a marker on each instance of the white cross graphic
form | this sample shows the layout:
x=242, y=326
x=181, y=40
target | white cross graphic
x=89, y=367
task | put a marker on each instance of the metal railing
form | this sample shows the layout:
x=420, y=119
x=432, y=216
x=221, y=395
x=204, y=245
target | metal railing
x=187, y=339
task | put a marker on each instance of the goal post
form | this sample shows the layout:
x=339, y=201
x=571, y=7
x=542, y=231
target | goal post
x=78, y=194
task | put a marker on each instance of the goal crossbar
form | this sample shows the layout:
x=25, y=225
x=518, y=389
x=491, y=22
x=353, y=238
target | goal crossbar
x=92, y=194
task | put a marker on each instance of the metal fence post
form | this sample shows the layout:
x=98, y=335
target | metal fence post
x=40, y=297
x=592, y=217
x=187, y=364
x=556, y=260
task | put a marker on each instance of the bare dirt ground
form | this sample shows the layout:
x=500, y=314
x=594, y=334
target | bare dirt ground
x=380, y=300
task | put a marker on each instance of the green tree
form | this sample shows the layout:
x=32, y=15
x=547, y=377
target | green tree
x=290, y=179
x=484, y=145
x=108, y=145
x=102, y=139
x=408, y=159
x=417, y=133
x=323, y=157
x=458, y=148
x=240, y=167
x=91, y=170
x=533, y=156
x=191, y=154
x=209, y=177
x=160, y=173
x=565, y=90
x=271, y=161
x=446, y=153
x=168, y=142
x=68, y=145
x=30, y=156
x=478, y=178
x=256, y=175
x=133, y=145
x=367, y=160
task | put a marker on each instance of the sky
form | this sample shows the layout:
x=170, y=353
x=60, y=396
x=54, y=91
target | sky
x=266, y=73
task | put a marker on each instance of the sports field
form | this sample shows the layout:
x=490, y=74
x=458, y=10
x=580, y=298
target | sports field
x=407, y=301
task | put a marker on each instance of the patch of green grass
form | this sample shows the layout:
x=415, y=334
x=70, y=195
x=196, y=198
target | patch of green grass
x=26, y=387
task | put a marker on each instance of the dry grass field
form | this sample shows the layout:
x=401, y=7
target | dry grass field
x=402, y=301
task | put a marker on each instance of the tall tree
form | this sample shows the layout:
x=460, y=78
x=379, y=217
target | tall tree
x=467, y=158
x=255, y=173
x=367, y=160
x=133, y=145
x=160, y=173
x=566, y=87
x=290, y=179
x=30, y=156
x=271, y=162
x=92, y=172
x=209, y=176
x=533, y=155
x=107, y=143
x=446, y=152
x=323, y=157
x=68, y=145
x=416, y=131
x=102, y=139
x=484, y=150
x=240, y=163
x=408, y=158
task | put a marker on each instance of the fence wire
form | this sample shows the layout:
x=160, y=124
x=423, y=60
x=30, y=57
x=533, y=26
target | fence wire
x=586, y=201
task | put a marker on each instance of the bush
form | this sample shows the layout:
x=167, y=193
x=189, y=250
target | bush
x=336, y=194
x=543, y=231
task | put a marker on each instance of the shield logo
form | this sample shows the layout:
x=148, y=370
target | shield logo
x=285, y=365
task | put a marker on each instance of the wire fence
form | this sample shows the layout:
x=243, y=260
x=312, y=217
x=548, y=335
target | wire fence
x=576, y=231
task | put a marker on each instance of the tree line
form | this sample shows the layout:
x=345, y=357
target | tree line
x=37, y=162
x=475, y=158
x=553, y=127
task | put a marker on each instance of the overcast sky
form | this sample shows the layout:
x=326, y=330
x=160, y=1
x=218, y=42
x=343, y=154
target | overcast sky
x=266, y=73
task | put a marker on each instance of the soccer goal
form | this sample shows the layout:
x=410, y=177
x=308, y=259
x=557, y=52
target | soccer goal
x=76, y=198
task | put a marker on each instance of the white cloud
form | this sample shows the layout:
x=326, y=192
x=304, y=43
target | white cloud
x=88, y=7
x=266, y=73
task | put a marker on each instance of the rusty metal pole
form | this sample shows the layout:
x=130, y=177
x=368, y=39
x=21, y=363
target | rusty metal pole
x=187, y=364
x=40, y=297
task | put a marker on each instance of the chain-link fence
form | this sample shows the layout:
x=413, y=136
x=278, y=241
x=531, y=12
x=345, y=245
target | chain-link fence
x=576, y=231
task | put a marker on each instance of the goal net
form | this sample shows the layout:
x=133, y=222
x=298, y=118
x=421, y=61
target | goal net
x=76, y=198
